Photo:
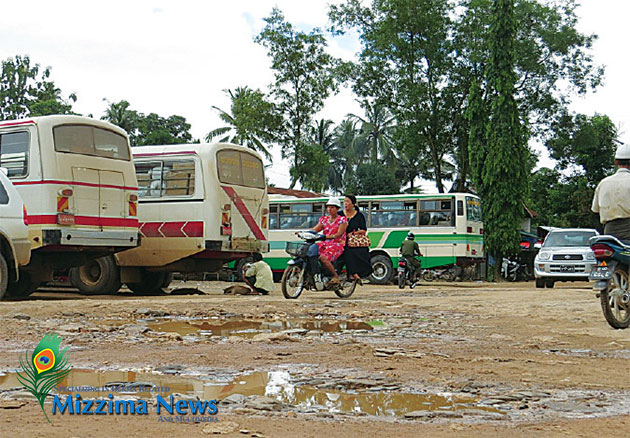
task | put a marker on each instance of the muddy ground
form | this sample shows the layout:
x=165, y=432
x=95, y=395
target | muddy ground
x=444, y=359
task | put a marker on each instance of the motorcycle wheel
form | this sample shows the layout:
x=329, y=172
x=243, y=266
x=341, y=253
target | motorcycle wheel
x=449, y=275
x=292, y=282
x=617, y=315
x=428, y=276
x=346, y=288
x=401, y=280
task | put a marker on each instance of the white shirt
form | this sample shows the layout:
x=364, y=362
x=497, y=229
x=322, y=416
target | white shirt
x=264, y=276
x=612, y=196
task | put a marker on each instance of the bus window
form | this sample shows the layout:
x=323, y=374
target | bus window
x=273, y=217
x=436, y=213
x=14, y=153
x=240, y=168
x=473, y=209
x=89, y=140
x=460, y=208
x=300, y=216
x=393, y=214
x=172, y=178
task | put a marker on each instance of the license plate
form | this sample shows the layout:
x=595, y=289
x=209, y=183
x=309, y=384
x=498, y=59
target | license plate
x=600, y=273
x=401, y=269
x=567, y=268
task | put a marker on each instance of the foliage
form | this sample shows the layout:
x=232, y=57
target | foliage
x=252, y=121
x=311, y=168
x=150, y=129
x=27, y=91
x=373, y=179
x=304, y=75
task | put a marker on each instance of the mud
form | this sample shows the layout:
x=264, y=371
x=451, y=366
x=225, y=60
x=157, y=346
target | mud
x=443, y=359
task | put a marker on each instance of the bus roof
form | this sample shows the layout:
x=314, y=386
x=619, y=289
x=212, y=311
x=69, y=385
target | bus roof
x=187, y=149
x=399, y=197
x=62, y=119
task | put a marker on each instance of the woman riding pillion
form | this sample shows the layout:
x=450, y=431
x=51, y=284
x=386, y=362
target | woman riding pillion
x=333, y=227
x=356, y=258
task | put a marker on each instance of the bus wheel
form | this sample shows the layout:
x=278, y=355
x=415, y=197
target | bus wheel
x=23, y=287
x=151, y=283
x=382, y=269
x=240, y=267
x=97, y=277
x=4, y=276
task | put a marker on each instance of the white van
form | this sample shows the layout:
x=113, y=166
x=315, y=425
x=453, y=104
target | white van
x=201, y=206
x=77, y=179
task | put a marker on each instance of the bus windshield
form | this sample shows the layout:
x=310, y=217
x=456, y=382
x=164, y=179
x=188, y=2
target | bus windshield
x=473, y=209
x=240, y=168
x=89, y=140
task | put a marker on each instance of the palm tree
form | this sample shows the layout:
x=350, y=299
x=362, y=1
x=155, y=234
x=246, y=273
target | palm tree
x=119, y=114
x=248, y=123
x=377, y=130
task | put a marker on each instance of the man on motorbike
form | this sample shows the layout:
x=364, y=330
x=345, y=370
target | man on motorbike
x=409, y=249
x=612, y=197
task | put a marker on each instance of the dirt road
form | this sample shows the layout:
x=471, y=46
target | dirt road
x=444, y=359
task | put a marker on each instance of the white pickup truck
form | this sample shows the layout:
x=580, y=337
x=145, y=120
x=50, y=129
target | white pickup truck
x=15, y=247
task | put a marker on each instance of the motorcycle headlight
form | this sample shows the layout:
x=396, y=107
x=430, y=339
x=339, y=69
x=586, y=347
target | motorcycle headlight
x=543, y=255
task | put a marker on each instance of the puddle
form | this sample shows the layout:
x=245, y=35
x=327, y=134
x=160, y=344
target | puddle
x=249, y=328
x=275, y=384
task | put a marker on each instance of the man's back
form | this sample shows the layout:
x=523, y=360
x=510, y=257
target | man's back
x=409, y=248
x=612, y=197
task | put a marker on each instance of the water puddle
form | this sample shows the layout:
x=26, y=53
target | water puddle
x=250, y=328
x=276, y=385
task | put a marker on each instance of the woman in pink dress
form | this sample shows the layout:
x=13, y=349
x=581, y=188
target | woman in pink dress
x=334, y=228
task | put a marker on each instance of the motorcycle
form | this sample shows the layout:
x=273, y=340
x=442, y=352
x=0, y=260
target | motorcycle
x=299, y=275
x=611, y=279
x=405, y=274
x=448, y=274
x=513, y=270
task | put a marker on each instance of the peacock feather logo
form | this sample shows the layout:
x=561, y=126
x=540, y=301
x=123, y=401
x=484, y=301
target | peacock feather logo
x=46, y=367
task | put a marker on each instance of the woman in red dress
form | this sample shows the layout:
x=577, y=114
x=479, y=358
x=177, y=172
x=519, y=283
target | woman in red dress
x=334, y=228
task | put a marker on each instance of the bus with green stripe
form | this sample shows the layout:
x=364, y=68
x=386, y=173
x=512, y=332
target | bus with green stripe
x=447, y=226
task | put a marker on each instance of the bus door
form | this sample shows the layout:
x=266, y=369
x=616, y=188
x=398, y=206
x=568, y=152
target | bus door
x=242, y=182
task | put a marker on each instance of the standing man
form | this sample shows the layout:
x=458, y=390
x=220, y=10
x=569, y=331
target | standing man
x=612, y=197
x=259, y=276
x=409, y=249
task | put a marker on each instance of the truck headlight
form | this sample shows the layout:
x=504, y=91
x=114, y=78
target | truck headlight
x=543, y=255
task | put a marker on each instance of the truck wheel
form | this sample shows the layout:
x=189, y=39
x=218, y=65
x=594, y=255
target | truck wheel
x=97, y=277
x=151, y=283
x=23, y=287
x=382, y=269
x=549, y=284
x=540, y=283
x=4, y=276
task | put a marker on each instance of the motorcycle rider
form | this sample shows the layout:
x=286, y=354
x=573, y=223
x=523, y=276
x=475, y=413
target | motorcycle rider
x=612, y=197
x=409, y=249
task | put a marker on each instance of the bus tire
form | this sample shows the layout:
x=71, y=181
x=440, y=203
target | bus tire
x=97, y=277
x=4, y=276
x=151, y=283
x=23, y=287
x=382, y=269
x=240, y=267
x=167, y=280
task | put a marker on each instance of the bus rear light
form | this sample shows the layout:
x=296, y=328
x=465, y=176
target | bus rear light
x=602, y=251
x=65, y=192
x=65, y=219
x=24, y=215
x=480, y=230
x=227, y=207
x=263, y=222
x=469, y=229
x=467, y=247
x=132, y=197
x=265, y=211
x=225, y=219
x=133, y=209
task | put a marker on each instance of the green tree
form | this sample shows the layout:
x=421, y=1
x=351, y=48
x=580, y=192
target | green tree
x=119, y=114
x=304, y=76
x=505, y=168
x=27, y=91
x=251, y=123
x=377, y=131
x=373, y=179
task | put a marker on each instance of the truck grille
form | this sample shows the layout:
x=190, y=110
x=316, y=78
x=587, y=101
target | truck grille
x=567, y=257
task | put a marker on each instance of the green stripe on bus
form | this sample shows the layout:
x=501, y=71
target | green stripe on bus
x=375, y=238
x=395, y=238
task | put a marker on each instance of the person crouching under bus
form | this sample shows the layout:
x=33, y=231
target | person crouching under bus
x=259, y=276
x=409, y=249
x=334, y=228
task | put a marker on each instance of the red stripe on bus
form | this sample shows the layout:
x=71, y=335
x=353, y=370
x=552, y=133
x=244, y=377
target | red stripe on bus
x=74, y=183
x=242, y=208
x=26, y=122
x=51, y=219
x=172, y=229
x=153, y=154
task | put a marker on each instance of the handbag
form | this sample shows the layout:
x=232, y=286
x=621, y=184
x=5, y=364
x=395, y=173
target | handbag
x=359, y=241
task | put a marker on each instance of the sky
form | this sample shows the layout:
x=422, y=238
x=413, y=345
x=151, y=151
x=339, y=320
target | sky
x=178, y=57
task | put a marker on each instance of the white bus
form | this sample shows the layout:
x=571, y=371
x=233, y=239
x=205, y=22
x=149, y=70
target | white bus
x=77, y=180
x=201, y=206
x=448, y=228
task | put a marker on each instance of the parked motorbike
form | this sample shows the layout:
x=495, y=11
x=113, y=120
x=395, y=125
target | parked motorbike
x=405, y=274
x=611, y=279
x=513, y=270
x=448, y=274
x=298, y=274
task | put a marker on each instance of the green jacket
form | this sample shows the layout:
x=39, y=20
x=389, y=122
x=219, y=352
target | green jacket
x=409, y=248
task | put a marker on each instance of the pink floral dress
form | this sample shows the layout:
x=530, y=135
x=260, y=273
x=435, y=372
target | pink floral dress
x=332, y=248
